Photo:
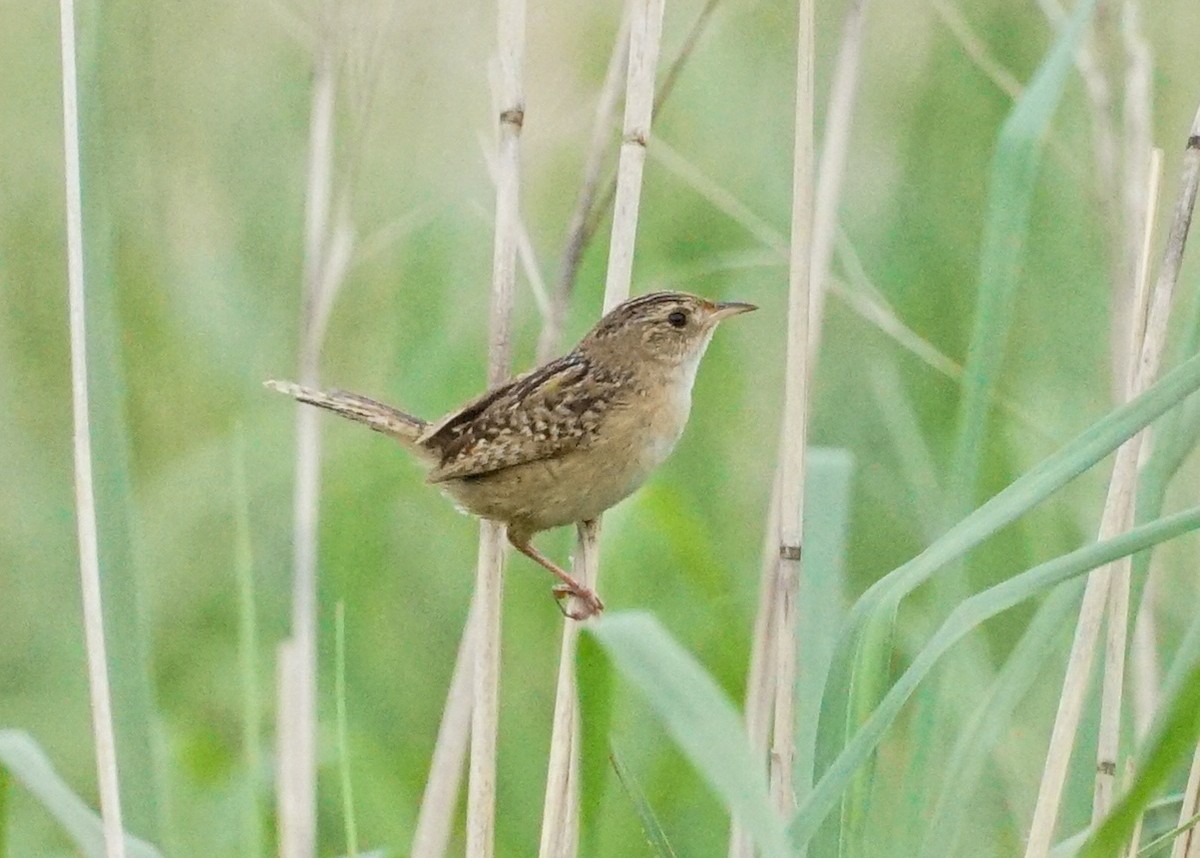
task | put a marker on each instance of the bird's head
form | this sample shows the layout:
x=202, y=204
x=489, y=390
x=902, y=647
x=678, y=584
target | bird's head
x=665, y=330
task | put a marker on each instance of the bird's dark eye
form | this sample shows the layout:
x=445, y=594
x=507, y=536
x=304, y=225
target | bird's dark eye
x=677, y=319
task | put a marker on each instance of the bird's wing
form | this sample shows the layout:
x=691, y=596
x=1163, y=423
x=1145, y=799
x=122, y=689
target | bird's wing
x=542, y=414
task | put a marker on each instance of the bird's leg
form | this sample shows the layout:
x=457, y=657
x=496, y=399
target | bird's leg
x=569, y=586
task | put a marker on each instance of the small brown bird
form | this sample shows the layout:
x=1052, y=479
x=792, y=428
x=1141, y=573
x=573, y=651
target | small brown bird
x=569, y=439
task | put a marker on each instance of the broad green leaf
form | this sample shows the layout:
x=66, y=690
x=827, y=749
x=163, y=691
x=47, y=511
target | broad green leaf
x=822, y=602
x=28, y=765
x=968, y=616
x=699, y=717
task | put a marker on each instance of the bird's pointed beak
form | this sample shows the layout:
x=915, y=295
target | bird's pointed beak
x=725, y=309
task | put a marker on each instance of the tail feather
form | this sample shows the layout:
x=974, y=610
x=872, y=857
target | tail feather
x=382, y=418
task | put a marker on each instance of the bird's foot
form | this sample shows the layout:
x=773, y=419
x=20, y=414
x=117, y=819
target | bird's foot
x=590, y=604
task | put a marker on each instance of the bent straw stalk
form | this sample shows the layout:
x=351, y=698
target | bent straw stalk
x=85, y=503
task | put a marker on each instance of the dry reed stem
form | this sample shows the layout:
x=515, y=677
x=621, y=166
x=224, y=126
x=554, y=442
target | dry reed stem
x=1120, y=489
x=85, y=499
x=560, y=835
x=526, y=255
x=560, y=821
x=1136, y=141
x=604, y=201
x=645, y=38
x=323, y=245
x=795, y=426
x=1112, y=694
x=763, y=686
x=438, y=802
x=288, y=802
x=1146, y=669
x=835, y=149
x=485, y=710
x=1188, y=809
x=550, y=339
x=763, y=649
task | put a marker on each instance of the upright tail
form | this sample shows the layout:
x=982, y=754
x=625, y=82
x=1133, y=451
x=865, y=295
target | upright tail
x=382, y=418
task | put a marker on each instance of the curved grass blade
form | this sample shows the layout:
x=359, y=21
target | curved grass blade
x=982, y=732
x=1171, y=741
x=27, y=764
x=699, y=717
x=865, y=645
x=655, y=835
x=969, y=615
x=1011, y=185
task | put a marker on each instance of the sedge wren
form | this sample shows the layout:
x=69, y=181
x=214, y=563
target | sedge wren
x=567, y=440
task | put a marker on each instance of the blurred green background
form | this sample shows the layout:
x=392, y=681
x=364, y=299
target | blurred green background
x=195, y=124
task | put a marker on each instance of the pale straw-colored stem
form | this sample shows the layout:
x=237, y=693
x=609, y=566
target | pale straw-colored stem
x=298, y=792
x=440, y=798
x=550, y=340
x=485, y=710
x=1112, y=695
x=645, y=37
x=1182, y=848
x=1091, y=613
x=85, y=501
x=760, y=687
x=795, y=425
x=560, y=835
x=288, y=802
x=560, y=820
x=835, y=149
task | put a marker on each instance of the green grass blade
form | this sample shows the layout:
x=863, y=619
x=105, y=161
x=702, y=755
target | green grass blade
x=865, y=646
x=135, y=719
x=1011, y=185
x=698, y=716
x=343, y=731
x=252, y=748
x=823, y=588
x=969, y=615
x=981, y=734
x=26, y=763
x=595, y=678
x=1172, y=740
x=4, y=788
x=655, y=835
x=1160, y=832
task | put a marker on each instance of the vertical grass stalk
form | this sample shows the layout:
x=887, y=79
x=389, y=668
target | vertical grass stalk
x=795, y=425
x=85, y=503
x=560, y=830
x=343, y=731
x=485, y=711
x=298, y=709
x=449, y=750
x=252, y=825
x=1087, y=630
x=1112, y=695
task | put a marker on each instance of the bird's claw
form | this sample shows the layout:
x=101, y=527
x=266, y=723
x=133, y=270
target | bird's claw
x=590, y=601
